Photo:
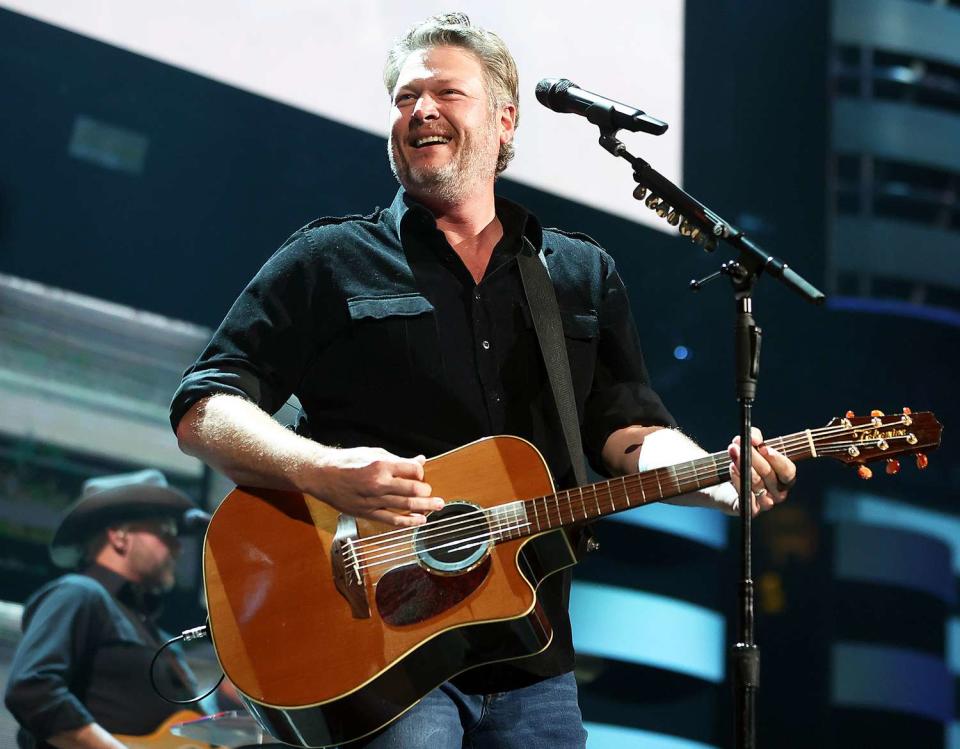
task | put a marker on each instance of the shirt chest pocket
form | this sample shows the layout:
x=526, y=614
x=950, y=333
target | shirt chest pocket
x=397, y=339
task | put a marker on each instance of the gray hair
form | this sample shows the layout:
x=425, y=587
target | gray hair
x=456, y=30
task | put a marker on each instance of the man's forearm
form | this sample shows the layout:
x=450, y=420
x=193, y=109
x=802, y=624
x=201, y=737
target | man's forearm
x=90, y=736
x=241, y=441
x=622, y=449
x=244, y=443
x=638, y=448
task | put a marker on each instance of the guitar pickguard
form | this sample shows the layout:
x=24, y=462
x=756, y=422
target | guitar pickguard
x=410, y=594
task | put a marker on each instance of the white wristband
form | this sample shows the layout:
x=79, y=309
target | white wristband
x=665, y=447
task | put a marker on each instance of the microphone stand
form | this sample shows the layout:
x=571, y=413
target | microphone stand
x=704, y=227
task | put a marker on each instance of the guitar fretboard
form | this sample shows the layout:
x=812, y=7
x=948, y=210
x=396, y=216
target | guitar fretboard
x=526, y=517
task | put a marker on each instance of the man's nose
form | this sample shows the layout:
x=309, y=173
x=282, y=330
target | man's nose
x=426, y=108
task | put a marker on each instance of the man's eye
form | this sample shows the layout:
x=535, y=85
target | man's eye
x=403, y=97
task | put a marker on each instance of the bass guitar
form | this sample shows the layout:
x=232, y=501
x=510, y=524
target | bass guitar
x=332, y=626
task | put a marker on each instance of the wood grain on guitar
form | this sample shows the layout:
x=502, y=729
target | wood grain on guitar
x=331, y=627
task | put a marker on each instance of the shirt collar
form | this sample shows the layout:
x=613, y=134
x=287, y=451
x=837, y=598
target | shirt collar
x=404, y=210
x=130, y=594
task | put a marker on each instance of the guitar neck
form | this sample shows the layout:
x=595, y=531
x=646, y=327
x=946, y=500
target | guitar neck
x=527, y=517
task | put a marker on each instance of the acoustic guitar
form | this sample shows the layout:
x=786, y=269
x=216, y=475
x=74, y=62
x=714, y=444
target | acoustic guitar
x=332, y=626
x=161, y=738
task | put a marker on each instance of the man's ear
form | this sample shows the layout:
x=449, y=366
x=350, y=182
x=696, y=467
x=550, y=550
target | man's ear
x=118, y=539
x=508, y=122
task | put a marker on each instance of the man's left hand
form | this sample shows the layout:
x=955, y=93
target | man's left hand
x=773, y=473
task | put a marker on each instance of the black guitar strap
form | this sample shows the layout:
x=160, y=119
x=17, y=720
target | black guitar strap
x=542, y=300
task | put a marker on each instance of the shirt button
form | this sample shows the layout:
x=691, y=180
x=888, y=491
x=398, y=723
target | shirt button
x=486, y=345
x=476, y=295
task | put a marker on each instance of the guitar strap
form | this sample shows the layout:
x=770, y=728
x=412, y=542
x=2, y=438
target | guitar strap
x=542, y=301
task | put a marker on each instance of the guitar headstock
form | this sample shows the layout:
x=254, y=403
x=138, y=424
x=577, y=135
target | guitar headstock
x=860, y=439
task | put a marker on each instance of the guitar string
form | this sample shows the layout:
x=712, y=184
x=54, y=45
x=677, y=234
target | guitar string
x=497, y=531
x=369, y=546
x=489, y=532
x=796, y=440
x=691, y=470
x=484, y=535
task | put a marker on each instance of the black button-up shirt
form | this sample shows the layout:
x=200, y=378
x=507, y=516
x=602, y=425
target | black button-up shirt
x=380, y=330
x=85, y=654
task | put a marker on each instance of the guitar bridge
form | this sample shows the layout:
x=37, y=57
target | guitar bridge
x=347, y=575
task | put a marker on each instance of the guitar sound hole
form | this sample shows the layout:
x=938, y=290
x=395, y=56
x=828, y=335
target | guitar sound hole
x=453, y=539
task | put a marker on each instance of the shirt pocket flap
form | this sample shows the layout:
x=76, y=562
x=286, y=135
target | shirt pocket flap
x=400, y=305
x=583, y=325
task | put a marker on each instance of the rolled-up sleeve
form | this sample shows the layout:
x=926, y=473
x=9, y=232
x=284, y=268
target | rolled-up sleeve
x=268, y=338
x=48, y=661
x=621, y=394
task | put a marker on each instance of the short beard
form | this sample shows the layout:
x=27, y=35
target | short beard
x=441, y=183
x=454, y=180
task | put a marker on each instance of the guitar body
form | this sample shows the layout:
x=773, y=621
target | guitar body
x=318, y=667
x=161, y=738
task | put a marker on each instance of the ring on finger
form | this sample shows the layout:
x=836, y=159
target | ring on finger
x=759, y=493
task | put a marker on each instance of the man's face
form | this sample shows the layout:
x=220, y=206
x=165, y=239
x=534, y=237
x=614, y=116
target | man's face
x=445, y=135
x=152, y=553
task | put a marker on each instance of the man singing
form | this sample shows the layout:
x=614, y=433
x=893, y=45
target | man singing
x=407, y=333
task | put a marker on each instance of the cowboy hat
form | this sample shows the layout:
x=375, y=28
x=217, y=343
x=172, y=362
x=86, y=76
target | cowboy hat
x=108, y=500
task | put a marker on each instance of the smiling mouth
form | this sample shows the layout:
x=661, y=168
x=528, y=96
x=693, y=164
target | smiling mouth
x=431, y=140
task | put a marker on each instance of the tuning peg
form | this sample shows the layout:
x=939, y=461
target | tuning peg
x=851, y=415
x=685, y=228
x=663, y=209
x=922, y=461
x=876, y=413
x=893, y=466
x=864, y=473
x=640, y=192
x=652, y=201
x=674, y=218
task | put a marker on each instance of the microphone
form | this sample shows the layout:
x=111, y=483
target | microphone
x=194, y=522
x=564, y=96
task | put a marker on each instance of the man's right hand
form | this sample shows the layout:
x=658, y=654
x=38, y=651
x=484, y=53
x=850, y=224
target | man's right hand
x=373, y=483
x=238, y=439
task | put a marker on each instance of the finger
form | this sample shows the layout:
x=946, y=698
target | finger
x=783, y=467
x=408, y=469
x=403, y=488
x=764, y=461
x=406, y=504
x=756, y=438
x=762, y=474
x=397, y=519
